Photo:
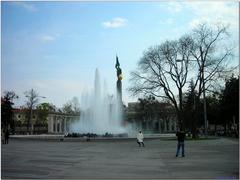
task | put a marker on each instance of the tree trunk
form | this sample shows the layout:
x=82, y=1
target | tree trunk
x=215, y=128
x=29, y=120
x=180, y=120
x=180, y=111
x=196, y=117
x=225, y=129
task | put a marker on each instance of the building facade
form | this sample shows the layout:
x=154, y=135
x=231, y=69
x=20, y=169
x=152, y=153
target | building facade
x=59, y=123
x=21, y=117
x=160, y=118
x=157, y=118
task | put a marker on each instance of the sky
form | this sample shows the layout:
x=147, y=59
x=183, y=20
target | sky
x=55, y=47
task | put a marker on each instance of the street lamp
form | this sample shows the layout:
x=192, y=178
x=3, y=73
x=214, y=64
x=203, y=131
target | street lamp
x=205, y=107
x=204, y=101
x=31, y=109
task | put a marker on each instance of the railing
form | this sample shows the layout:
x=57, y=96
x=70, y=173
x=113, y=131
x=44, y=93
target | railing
x=37, y=129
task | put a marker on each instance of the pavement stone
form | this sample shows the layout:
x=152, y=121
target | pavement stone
x=38, y=159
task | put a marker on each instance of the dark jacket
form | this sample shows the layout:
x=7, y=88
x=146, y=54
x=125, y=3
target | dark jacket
x=6, y=134
x=181, y=136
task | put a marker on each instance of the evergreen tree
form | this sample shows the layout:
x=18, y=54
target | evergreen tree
x=7, y=110
x=230, y=103
x=190, y=108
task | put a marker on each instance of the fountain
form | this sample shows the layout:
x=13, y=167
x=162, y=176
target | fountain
x=100, y=112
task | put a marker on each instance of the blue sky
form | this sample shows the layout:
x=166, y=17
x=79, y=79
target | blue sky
x=55, y=47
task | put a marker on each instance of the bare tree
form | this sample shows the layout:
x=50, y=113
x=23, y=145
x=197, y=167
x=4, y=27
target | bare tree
x=72, y=106
x=211, y=52
x=32, y=100
x=75, y=105
x=163, y=70
x=160, y=73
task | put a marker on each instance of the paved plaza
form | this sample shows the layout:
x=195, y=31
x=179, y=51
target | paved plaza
x=122, y=159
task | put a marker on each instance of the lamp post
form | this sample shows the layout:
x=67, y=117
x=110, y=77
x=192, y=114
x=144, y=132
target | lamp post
x=204, y=101
x=31, y=109
x=205, y=108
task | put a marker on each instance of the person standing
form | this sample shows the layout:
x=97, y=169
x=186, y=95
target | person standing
x=6, y=136
x=181, y=137
x=140, y=139
x=3, y=136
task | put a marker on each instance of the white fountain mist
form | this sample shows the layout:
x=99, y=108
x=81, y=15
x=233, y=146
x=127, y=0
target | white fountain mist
x=100, y=112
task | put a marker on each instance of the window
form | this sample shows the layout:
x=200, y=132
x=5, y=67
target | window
x=144, y=125
x=156, y=126
x=58, y=127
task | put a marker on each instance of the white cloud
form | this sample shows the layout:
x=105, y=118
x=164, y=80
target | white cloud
x=115, y=23
x=25, y=5
x=213, y=13
x=175, y=7
x=199, y=20
x=49, y=37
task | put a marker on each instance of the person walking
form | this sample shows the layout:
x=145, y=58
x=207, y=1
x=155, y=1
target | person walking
x=181, y=137
x=140, y=139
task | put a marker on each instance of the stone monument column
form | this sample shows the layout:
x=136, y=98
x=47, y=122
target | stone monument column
x=50, y=123
x=119, y=81
x=119, y=93
x=65, y=124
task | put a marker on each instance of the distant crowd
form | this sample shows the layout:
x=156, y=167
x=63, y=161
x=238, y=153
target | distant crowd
x=93, y=135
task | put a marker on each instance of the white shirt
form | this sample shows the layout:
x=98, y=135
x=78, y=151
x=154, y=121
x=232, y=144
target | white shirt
x=140, y=137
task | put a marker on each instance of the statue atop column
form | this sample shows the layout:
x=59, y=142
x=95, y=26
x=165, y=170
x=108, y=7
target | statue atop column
x=119, y=80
